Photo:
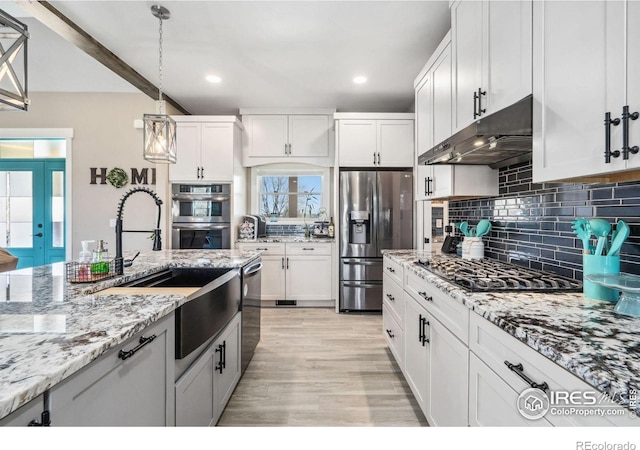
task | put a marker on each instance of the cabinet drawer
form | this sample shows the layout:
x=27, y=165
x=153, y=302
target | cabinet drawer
x=308, y=248
x=392, y=295
x=494, y=346
x=393, y=269
x=394, y=335
x=268, y=248
x=447, y=310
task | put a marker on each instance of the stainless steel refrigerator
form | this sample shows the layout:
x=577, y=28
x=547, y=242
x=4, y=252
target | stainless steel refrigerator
x=376, y=213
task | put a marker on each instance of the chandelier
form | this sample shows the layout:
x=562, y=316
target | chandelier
x=159, y=128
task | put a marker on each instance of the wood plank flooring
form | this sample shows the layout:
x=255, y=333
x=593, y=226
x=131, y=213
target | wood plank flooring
x=314, y=367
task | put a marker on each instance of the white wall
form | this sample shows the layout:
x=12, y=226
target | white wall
x=104, y=136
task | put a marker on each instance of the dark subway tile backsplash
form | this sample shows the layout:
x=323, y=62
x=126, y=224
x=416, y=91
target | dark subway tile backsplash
x=531, y=222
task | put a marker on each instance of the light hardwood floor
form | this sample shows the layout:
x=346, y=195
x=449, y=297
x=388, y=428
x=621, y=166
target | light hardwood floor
x=314, y=367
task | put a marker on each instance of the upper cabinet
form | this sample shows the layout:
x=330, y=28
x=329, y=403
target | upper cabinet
x=491, y=56
x=208, y=148
x=433, y=90
x=455, y=181
x=586, y=91
x=273, y=137
x=375, y=139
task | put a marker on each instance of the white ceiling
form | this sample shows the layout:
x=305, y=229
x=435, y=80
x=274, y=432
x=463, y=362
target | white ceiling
x=296, y=54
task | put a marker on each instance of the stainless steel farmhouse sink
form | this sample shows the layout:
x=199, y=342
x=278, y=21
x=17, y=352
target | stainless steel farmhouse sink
x=209, y=308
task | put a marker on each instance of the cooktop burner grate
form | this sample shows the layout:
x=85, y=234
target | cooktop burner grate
x=490, y=275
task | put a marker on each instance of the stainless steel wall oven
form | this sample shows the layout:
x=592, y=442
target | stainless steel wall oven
x=201, y=216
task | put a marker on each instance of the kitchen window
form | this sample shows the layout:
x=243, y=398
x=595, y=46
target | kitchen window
x=290, y=193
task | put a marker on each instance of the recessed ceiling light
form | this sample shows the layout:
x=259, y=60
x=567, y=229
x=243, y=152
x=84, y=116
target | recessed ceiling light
x=213, y=79
x=360, y=79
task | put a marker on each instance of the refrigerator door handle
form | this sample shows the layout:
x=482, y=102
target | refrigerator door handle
x=360, y=285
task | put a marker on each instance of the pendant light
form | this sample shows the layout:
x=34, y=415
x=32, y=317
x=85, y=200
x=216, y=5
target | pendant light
x=159, y=129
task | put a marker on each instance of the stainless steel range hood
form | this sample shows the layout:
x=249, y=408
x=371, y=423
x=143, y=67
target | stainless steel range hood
x=498, y=140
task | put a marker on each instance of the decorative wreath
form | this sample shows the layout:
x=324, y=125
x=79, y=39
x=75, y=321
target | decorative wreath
x=117, y=177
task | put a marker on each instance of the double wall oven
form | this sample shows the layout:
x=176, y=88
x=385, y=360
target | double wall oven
x=201, y=216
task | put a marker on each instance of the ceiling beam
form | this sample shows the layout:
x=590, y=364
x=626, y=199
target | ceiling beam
x=44, y=12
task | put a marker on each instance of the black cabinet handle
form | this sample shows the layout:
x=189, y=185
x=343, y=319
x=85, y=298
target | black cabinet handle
x=283, y=263
x=626, y=115
x=391, y=297
x=425, y=296
x=374, y=158
x=429, y=181
x=308, y=248
x=222, y=349
x=423, y=332
x=391, y=335
x=519, y=370
x=201, y=172
x=477, y=103
x=262, y=248
x=45, y=420
x=378, y=158
x=391, y=269
x=126, y=354
x=608, y=121
x=287, y=263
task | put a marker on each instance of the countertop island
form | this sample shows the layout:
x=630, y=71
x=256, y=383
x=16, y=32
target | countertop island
x=50, y=328
x=584, y=336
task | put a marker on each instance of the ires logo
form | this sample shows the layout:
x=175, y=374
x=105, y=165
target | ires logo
x=534, y=404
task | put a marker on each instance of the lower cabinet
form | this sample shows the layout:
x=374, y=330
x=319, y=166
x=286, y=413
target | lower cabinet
x=203, y=391
x=27, y=415
x=492, y=402
x=300, y=271
x=416, y=351
x=447, y=377
x=130, y=385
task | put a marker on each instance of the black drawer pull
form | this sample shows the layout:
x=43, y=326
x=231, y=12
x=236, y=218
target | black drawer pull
x=519, y=370
x=308, y=248
x=260, y=248
x=222, y=348
x=425, y=296
x=126, y=354
x=45, y=420
x=391, y=297
x=391, y=269
x=391, y=335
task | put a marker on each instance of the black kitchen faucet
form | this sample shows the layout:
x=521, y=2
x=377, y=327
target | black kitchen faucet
x=157, y=243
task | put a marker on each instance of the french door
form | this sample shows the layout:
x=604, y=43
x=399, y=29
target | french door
x=32, y=199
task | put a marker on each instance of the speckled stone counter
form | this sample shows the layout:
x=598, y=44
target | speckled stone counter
x=50, y=329
x=584, y=336
x=285, y=239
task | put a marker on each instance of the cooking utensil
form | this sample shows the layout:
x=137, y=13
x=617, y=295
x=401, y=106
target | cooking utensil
x=483, y=227
x=464, y=227
x=600, y=229
x=580, y=227
x=620, y=235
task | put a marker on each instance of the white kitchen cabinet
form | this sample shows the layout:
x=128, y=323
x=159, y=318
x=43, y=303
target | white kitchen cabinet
x=447, y=377
x=416, y=350
x=112, y=391
x=491, y=50
x=579, y=76
x=375, y=140
x=300, y=271
x=450, y=181
x=495, y=348
x=436, y=359
x=209, y=148
x=227, y=360
x=26, y=415
x=492, y=402
x=274, y=138
x=203, y=391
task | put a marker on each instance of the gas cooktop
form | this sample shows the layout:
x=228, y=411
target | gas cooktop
x=490, y=275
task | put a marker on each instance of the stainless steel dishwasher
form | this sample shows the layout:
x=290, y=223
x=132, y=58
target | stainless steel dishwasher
x=250, y=307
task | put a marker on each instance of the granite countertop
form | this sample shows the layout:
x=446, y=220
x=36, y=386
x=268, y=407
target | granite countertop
x=285, y=239
x=584, y=336
x=50, y=329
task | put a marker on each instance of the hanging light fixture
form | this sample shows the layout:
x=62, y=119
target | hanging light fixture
x=159, y=128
